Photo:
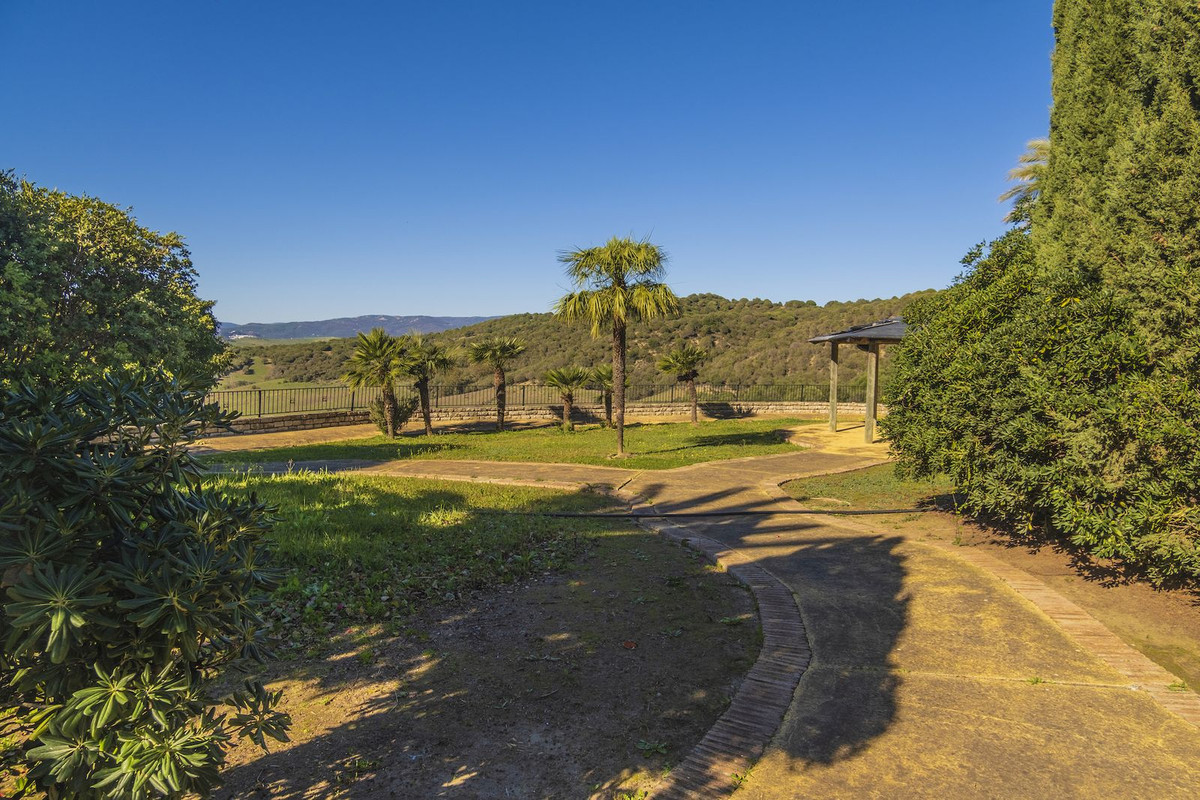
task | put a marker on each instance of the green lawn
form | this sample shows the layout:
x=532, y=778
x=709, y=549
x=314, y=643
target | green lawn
x=874, y=488
x=660, y=446
x=361, y=550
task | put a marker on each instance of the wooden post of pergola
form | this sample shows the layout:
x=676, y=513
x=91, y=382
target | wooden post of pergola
x=869, y=338
x=833, y=387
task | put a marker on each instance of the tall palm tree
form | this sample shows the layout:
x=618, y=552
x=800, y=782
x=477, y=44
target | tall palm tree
x=684, y=362
x=616, y=283
x=496, y=353
x=1027, y=177
x=422, y=360
x=568, y=380
x=376, y=362
x=601, y=377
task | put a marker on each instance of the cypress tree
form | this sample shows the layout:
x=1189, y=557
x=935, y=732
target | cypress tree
x=1083, y=383
x=1116, y=243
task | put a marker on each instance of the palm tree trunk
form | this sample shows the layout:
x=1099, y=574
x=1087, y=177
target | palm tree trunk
x=423, y=392
x=389, y=409
x=567, y=401
x=500, y=399
x=618, y=355
x=692, y=394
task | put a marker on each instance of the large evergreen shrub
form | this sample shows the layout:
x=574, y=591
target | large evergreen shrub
x=1061, y=377
x=128, y=589
x=85, y=290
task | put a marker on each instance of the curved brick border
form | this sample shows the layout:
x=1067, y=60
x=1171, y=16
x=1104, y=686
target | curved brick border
x=739, y=737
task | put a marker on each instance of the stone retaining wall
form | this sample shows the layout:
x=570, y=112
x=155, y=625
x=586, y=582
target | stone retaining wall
x=586, y=413
x=298, y=422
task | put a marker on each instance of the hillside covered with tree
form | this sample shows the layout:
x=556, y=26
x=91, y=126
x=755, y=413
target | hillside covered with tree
x=749, y=341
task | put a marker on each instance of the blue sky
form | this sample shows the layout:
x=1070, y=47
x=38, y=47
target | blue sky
x=336, y=159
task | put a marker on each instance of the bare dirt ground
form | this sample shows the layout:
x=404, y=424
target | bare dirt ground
x=1163, y=624
x=590, y=684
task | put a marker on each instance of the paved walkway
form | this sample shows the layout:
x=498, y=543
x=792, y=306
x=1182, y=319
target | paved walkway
x=934, y=671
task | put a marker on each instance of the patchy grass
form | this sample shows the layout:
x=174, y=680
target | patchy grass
x=433, y=639
x=661, y=446
x=358, y=550
x=562, y=685
x=874, y=488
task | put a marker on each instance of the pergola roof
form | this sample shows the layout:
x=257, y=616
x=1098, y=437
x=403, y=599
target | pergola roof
x=885, y=331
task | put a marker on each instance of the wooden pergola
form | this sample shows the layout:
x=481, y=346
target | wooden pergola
x=865, y=337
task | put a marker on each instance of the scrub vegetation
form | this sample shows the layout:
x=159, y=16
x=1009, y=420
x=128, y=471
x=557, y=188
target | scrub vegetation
x=749, y=341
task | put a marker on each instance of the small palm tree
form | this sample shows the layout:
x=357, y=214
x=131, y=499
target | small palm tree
x=684, y=362
x=376, y=362
x=568, y=380
x=422, y=360
x=1027, y=177
x=601, y=378
x=497, y=353
x=616, y=283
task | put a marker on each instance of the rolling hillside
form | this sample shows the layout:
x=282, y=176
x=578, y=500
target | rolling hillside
x=752, y=341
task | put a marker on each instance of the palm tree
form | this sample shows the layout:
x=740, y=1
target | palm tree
x=567, y=380
x=376, y=362
x=1027, y=175
x=423, y=360
x=616, y=283
x=496, y=353
x=601, y=376
x=683, y=362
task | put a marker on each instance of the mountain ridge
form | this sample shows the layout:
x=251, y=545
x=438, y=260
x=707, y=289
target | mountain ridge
x=344, y=327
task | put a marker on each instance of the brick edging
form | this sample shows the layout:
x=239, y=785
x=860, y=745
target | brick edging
x=740, y=736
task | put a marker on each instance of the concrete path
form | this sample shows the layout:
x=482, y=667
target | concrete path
x=932, y=674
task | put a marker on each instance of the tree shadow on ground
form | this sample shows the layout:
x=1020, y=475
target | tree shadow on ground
x=524, y=691
x=523, y=682
x=854, y=603
x=719, y=410
x=725, y=440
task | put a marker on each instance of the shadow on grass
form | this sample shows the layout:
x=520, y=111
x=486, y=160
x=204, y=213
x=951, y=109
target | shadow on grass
x=494, y=698
x=737, y=439
x=520, y=691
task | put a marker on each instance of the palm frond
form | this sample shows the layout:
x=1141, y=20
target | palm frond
x=495, y=352
x=376, y=359
x=683, y=361
x=422, y=360
x=1028, y=174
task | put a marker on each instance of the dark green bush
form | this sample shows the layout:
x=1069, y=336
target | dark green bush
x=405, y=408
x=130, y=588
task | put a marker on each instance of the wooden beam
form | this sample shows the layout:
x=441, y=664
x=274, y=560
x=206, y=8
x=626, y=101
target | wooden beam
x=872, y=385
x=833, y=385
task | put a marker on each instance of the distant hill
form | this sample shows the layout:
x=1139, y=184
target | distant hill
x=751, y=341
x=343, y=327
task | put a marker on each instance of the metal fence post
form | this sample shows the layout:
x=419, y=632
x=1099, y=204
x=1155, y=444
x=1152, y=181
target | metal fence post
x=351, y=399
x=260, y=402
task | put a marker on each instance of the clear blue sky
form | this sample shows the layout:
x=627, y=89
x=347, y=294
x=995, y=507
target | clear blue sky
x=335, y=159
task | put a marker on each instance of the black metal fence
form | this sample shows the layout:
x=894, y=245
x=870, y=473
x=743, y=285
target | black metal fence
x=269, y=402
